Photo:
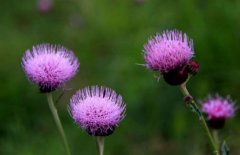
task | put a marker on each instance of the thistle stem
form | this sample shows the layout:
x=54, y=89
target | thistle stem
x=58, y=122
x=216, y=138
x=201, y=118
x=100, y=144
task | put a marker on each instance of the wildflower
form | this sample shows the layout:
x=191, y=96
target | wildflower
x=49, y=66
x=98, y=110
x=169, y=53
x=44, y=5
x=218, y=109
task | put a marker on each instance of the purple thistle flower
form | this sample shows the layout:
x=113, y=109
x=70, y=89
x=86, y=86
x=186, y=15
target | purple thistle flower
x=218, y=109
x=97, y=110
x=166, y=51
x=169, y=53
x=49, y=66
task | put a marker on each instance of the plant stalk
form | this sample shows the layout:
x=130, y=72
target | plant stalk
x=216, y=138
x=58, y=122
x=100, y=144
x=201, y=117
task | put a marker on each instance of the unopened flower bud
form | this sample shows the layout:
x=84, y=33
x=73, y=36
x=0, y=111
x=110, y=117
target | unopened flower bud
x=193, y=67
x=188, y=99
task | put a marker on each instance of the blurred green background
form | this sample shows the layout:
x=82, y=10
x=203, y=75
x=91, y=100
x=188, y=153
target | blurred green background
x=108, y=36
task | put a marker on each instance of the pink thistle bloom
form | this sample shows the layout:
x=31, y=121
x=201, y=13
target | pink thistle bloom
x=97, y=110
x=49, y=66
x=218, y=109
x=168, y=51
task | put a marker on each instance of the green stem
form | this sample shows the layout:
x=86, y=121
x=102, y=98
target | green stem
x=100, y=144
x=201, y=117
x=58, y=122
x=216, y=138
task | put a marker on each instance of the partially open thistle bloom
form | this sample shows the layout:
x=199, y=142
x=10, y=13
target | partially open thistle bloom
x=169, y=53
x=98, y=110
x=218, y=109
x=49, y=66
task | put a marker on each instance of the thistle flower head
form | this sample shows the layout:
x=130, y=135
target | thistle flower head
x=168, y=51
x=218, y=109
x=98, y=110
x=49, y=66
